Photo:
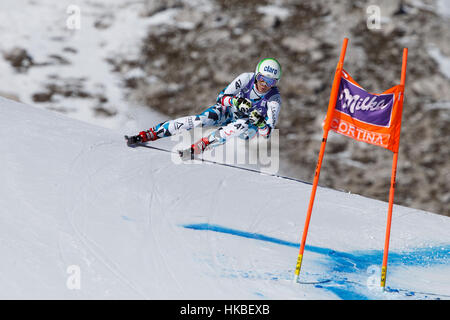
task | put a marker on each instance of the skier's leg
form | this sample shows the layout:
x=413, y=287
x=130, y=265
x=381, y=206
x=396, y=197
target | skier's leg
x=233, y=129
x=210, y=117
x=221, y=135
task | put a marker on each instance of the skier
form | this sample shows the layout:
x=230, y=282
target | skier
x=248, y=105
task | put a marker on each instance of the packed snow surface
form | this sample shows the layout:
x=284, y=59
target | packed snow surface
x=85, y=217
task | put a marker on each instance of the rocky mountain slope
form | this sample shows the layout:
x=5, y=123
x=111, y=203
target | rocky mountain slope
x=175, y=56
x=190, y=61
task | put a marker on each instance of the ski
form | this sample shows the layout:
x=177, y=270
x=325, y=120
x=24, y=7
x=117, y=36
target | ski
x=186, y=154
x=140, y=144
x=133, y=141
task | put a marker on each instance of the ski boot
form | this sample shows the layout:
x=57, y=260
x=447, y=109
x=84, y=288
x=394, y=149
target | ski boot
x=195, y=149
x=142, y=137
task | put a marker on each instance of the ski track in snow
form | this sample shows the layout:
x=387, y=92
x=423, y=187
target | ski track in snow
x=90, y=244
x=156, y=231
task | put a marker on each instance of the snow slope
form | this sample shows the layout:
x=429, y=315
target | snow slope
x=138, y=226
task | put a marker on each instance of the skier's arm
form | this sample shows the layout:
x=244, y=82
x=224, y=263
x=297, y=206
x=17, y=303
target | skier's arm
x=226, y=96
x=273, y=109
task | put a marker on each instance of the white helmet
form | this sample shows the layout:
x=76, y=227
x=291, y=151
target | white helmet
x=269, y=69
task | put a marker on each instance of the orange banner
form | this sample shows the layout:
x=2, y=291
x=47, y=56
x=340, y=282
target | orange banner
x=368, y=117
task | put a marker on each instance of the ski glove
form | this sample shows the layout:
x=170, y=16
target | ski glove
x=257, y=119
x=242, y=104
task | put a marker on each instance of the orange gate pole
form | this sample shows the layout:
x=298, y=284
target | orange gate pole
x=331, y=106
x=393, y=177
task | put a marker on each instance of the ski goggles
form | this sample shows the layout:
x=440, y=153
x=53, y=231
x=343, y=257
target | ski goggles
x=269, y=81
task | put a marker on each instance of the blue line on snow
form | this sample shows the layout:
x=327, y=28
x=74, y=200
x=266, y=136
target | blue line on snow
x=126, y=218
x=343, y=262
x=244, y=234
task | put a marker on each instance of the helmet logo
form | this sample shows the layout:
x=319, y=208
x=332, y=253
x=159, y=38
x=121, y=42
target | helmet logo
x=270, y=69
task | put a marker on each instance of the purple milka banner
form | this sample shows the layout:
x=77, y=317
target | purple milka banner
x=363, y=106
